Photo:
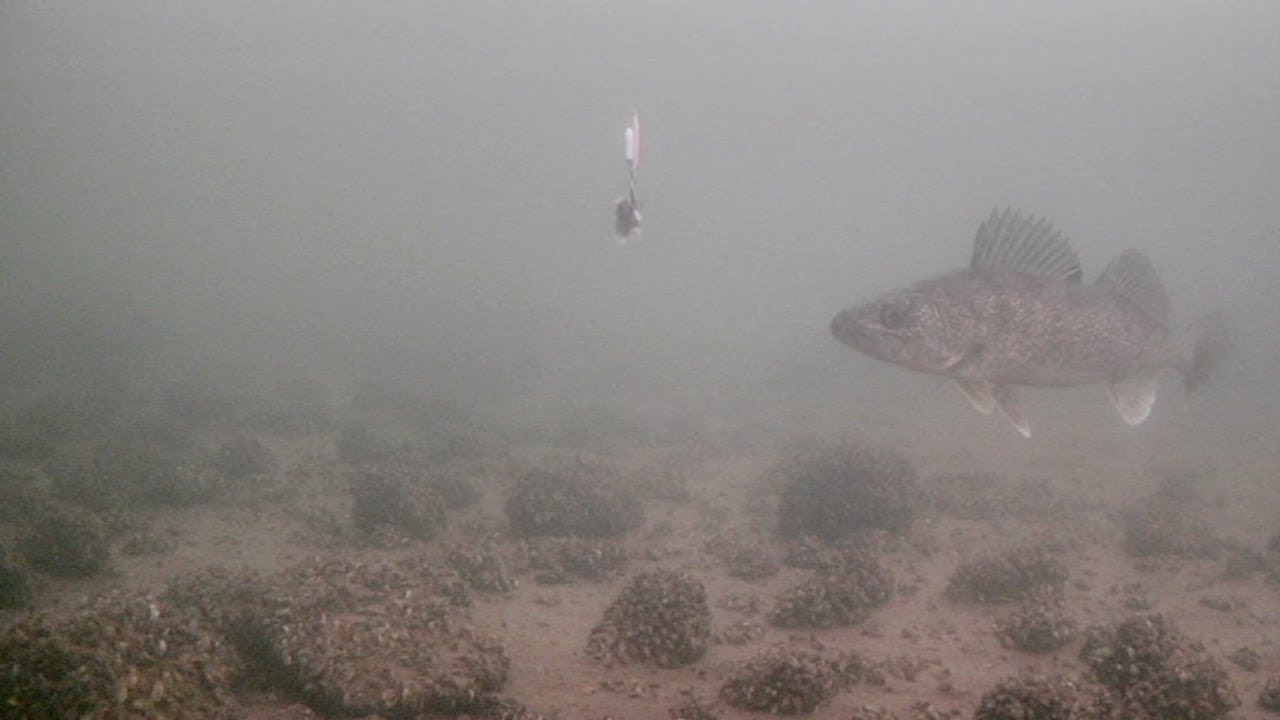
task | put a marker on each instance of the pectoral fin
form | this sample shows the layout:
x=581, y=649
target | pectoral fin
x=1133, y=398
x=1006, y=396
x=979, y=393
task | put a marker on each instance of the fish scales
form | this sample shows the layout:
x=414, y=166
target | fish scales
x=1021, y=316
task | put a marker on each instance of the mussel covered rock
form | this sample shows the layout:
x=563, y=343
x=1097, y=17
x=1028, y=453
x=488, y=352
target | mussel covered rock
x=575, y=498
x=124, y=656
x=358, y=638
x=560, y=560
x=660, y=617
x=836, y=491
x=14, y=591
x=1269, y=698
x=1040, y=626
x=790, y=683
x=1156, y=672
x=480, y=567
x=840, y=594
x=1044, y=698
x=65, y=541
x=241, y=457
x=396, y=496
x=1168, y=524
x=1012, y=575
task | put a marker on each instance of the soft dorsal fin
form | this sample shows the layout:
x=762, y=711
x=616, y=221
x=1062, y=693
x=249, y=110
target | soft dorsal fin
x=1133, y=277
x=1010, y=241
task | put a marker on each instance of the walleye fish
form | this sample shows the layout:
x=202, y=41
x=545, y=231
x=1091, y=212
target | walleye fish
x=1020, y=314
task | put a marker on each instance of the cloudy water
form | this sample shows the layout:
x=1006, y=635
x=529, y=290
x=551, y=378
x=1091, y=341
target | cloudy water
x=337, y=283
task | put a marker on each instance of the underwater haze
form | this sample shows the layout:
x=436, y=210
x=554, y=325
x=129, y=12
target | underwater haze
x=423, y=190
x=323, y=367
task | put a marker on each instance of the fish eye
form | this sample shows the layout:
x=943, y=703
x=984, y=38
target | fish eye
x=894, y=315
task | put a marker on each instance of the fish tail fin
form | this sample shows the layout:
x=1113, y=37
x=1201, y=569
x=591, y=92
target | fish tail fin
x=1209, y=342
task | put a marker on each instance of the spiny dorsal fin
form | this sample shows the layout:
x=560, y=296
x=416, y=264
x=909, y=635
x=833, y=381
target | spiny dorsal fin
x=1133, y=277
x=1009, y=241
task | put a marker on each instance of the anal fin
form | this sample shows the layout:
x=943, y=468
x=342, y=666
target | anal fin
x=1006, y=396
x=979, y=394
x=1133, y=398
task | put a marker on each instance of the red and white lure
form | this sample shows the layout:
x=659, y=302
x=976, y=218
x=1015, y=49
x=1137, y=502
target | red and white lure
x=627, y=216
x=632, y=146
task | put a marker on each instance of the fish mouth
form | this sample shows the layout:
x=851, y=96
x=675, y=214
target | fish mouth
x=846, y=329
